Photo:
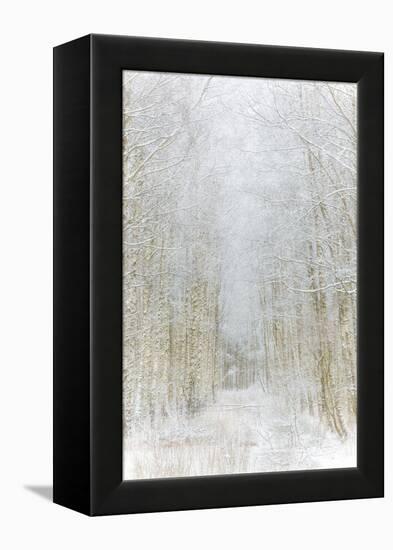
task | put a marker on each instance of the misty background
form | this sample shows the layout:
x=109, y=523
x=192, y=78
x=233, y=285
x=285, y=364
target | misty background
x=239, y=274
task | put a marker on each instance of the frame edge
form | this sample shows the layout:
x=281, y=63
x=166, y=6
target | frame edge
x=71, y=274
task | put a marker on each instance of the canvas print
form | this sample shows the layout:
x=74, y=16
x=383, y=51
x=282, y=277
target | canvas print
x=239, y=275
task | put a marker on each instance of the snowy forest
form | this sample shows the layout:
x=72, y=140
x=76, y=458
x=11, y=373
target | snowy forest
x=239, y=275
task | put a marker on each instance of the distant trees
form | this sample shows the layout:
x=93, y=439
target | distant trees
x=239, y=244
x=170, y=271
x=307, y=250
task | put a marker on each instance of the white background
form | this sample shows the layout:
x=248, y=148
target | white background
x=29, y=30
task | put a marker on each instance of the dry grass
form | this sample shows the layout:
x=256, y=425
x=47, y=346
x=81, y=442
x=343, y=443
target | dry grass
x=245, y=431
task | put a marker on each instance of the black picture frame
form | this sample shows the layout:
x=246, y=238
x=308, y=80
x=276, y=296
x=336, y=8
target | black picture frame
x=88, y=274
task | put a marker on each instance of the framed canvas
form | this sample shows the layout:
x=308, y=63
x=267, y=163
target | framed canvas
x=218, y=275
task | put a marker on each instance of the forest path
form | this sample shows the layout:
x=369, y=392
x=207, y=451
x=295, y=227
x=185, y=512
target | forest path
x=243, y=431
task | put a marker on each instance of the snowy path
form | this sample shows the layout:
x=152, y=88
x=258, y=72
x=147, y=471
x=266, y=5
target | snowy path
x=244, y=431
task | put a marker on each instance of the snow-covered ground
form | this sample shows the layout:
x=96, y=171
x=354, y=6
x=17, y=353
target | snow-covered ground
x=243, y=431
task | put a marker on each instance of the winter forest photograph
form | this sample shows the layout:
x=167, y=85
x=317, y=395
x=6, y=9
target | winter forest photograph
x=239, y=275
